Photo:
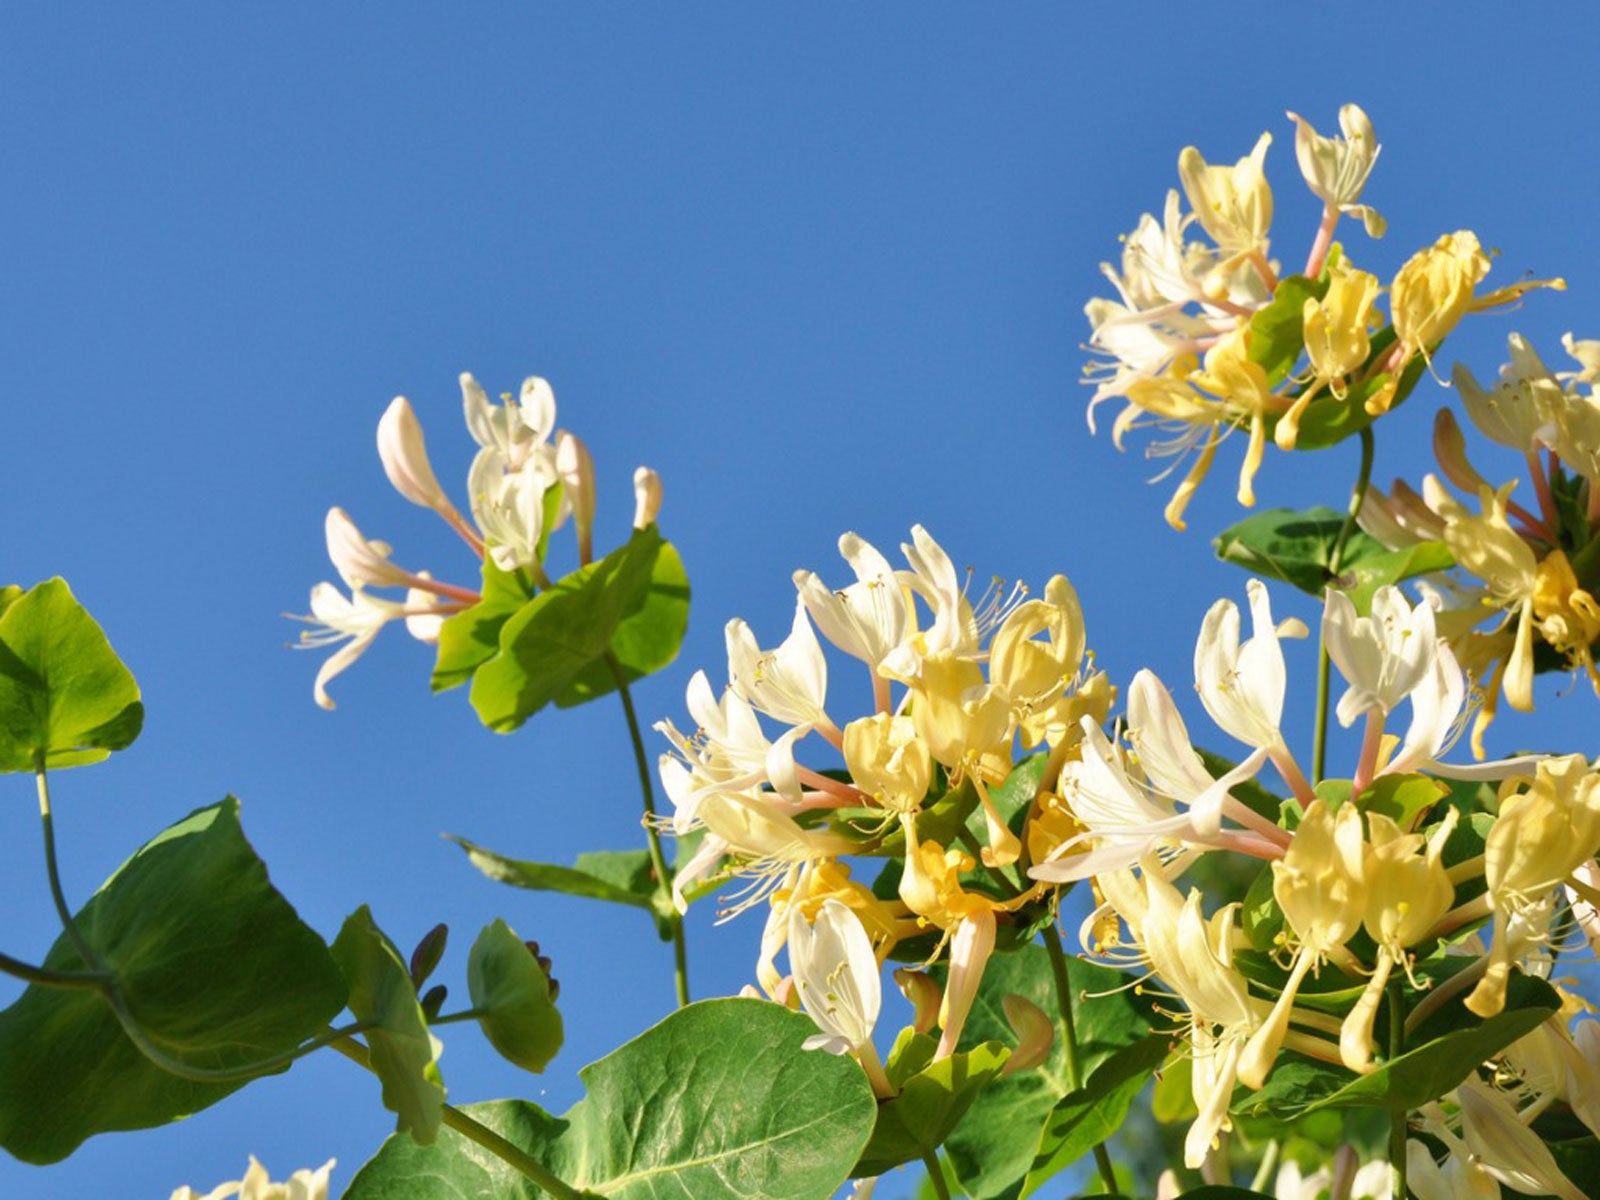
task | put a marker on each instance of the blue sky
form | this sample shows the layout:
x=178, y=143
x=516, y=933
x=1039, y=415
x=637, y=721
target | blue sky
x=823, y=268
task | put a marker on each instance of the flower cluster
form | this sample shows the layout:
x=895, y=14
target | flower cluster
x=955, y=686
x=1365, y=875
x=1528, y=598
x=257, y=1185
x=526, y=480
x=1205, y=338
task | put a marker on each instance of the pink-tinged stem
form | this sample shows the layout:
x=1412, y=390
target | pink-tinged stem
x=1283, y=760
x=423, y=584
x=834, y=787
x=880, y=693
x=1251, y=819
x=1370, y=743
x=1541, y=487
x=829, y=732
x=1244, y=843
x=468, y=534
x=1264, y=269
x=1324, y=240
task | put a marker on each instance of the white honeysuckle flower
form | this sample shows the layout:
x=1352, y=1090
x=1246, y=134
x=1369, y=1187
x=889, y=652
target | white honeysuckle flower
x=868, y=618
x=1138, y=345
x=256, y=1185
x=1384, y=657
x=934, y=577
x=357, y=618
x=790, y=683
x=971, y=944
x=1161, y=739
x=1516, y=413
x=425, y=616
x=515, y=432
x=729, y=751
x=361, y=563
x=1242, y=685
x=1587, y=355
x=1160, y=268
x=837, y=976
x=404, y=455
x=1459, y=1177
x=1436, y=724
x=1232, y=203
x=646, y=497
x=1506, y=1148
x=508, y=505
x=1336, y=169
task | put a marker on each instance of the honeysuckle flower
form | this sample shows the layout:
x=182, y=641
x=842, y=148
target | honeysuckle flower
x=1337, y=330
x=1233, y=204
x=575, y=469
x=924, y=994
x=887, y=760
x=789, y=683
x=1499, y=1141
x=971, y=944
x=1036, y=672
x=1515, y=412
x=1320, y=884
x=1587, y=354
x=355, y=620
x=1433, y=290
x=1336, y=169
x=837, y=977
x=729, y=750
x=1161, y=268
x=508, y=505
x=256, y=1185
x=1385, y=656
x=646, y=497
x=518, y=433
x=361, y=563
x=1458, y=1178
x=1547, y=827
x=953, y=630
x=866, y=619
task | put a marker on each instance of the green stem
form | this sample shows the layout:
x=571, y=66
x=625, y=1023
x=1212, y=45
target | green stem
x=1358, y=494
x=468, y=1014
x=475, y=1131
x=941, y=1189
x=89, y=980
x=1397, y=1117
x=1069, y=1041
x=1269, y=1165
x=658, y=862
x=53, y=871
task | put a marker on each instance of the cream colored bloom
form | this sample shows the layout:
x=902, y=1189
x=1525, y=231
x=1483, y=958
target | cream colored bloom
x=837, y=976
x=888, y=761
x=789, y=683
x=1233, y=204
x=1385, y=656
x=355, y=620
x=868, y=618
x=1336, y=169
x=1516, y=412
x=1337, y=327
x=404, y=455
x=302, y=1185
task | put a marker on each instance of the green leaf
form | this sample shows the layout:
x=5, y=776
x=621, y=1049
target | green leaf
x=995, y=1144
x=1402, y=798
x=933, y=1097
x=400, y=1049
x=1083, y=1119
x=215, y=965
x=647, y=639
x=553, y=648
x=1172, y=1099
x=1329, y=420
x=65, y=696
x=1300, y=1085
x=616, y=876
x=471, y=637
x=1277, y=331
x=521, y=1020
x=717, y=1102
x=1296, y=547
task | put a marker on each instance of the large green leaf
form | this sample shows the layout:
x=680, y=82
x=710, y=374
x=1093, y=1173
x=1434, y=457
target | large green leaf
x=400, y=1050
x=1297, y=547
x=554, y=647
x=932, y=1097
x=216, y=967
x=506, y=981
x=471, y=637
x=65, y=697
x=717, y=1102
x=995, y=1144
x=1085, y=1118
x=616, y=876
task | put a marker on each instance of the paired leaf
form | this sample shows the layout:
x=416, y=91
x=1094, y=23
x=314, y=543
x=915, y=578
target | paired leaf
x=65, y=697
x=472, y=637
x=505, y=979
x=632, y=604
x=216, y=967
x=717, y=1102
x=401, y=1051
x=1297, y=548
x=933, y=1097
x=1277, y=330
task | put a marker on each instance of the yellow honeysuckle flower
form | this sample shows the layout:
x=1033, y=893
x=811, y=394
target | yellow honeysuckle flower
x=1233, y=204
x=1337, y=326
x=888, y=761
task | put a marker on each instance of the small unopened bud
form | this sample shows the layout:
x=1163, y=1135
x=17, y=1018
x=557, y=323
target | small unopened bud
x=428, y=953
x=360, y=563
x=576, y=469
x=787, y=994
x=405, y=457
x=1035, y=1031
x=433, y=1001
x=1450, y=448
x=646, y=497
x=925, y=995
x=424, y=626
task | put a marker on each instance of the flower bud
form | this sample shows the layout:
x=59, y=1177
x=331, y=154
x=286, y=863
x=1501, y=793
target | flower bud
x=1035, y=1031
x=405, y=458
x=575, y=468
x=925, y=995
x=646, y=497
